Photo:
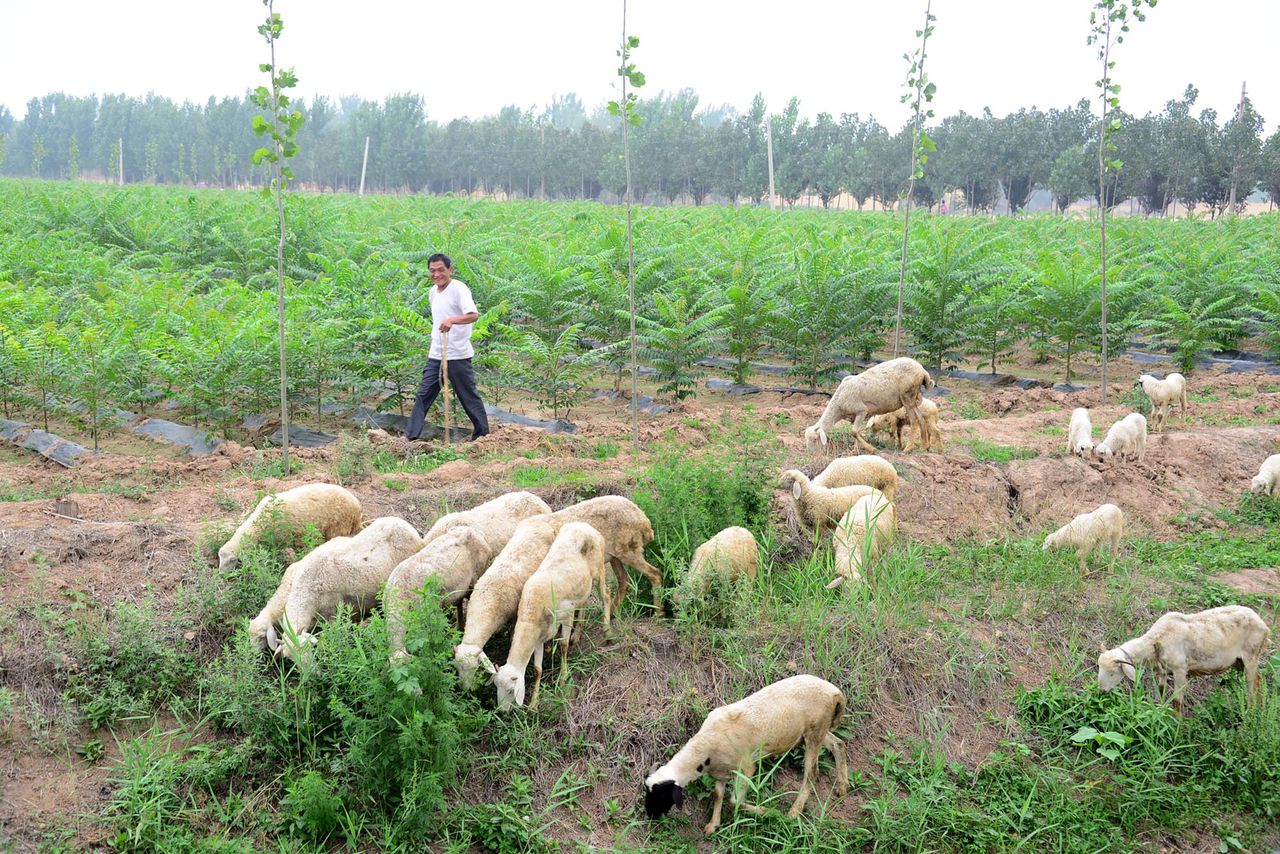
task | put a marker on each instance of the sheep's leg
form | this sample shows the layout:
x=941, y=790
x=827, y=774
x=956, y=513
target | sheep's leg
x=564, y=648
x=604, y=595
x=916, y=420
x=537, y=676
x=739, y=794
x=859, y=420
x=1179, y=685
x=715, y=809
x=840, y=786
x=637, y=562
x=1084, y=570
x=620, y=573
x=812, y=746
x=578, y=621
x=1251, y=675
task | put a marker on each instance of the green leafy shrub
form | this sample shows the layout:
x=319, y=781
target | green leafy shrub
x=312, y=807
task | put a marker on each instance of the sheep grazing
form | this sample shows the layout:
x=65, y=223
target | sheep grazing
x=862, y=470
x=895, y=384
x=455, y=559
x=345, y=569
x=818, y=507
x=863, y=533
x=494, y=520
x=626, y=531
x=1080, y=433
x=1163, y=394
x=1201, y=644
x=735, y=737
x=1267, y=480
x=334, y=511
x=893, y=423
x=561, y=585
x=730, y=555
x=1126, y=439
x=496, y=596
x=1089, y=532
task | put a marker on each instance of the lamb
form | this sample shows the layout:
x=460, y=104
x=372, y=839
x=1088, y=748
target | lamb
x=345, y=569
x=1080, y=433
x=1127, y=438
x=495, y=520
x=897, y=383
x=864, y=469
x=561, y=585
x=892, y=424
x=496, y=595
x=1163, y=394
x=731, y=554
x=455, y=559
x=866, y=530
x=819, y=508
x=1267, y=480
x=735, y=737
x=1201, y=644
x=1088, y=532
x=626, y=531
x=333, y=510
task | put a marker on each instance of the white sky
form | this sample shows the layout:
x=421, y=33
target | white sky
x=471, y=57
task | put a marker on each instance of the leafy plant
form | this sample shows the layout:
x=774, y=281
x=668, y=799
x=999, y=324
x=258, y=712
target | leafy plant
x=682, y=334
x=1194, y=329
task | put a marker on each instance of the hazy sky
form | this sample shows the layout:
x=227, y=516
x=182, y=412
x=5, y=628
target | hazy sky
x=471, y=57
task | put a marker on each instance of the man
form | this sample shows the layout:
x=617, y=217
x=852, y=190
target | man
x=452, y=313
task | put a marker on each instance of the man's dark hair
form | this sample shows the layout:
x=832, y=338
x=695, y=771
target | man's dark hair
x=440, y=256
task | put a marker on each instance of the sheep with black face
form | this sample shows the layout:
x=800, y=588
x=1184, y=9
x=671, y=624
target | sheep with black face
x=734, y=737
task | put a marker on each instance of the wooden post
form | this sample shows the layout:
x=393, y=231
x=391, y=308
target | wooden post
x=1235, y=166
x=364, y=164
x=768, y=141
x=444, y=385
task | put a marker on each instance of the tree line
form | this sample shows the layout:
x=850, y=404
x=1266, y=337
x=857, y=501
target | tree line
x=683, y=151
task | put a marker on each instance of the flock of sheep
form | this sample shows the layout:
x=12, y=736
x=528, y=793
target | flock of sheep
x=513, y=559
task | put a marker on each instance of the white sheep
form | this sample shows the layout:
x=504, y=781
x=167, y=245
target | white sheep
x=819, y=508
x=730, y=554
x=1089, y=532
x=495, y=520
x=893, y=423
x=1267, y=480
x=345, y=569
x=862, y=470
x=626, y=531
x=563, y=583
x=862, y=534
x=1201, y=644
x=1163, y=394
x=897, y=383
x=496, y=596
x=1127, y=438
x=1080, y=433
x=735, y=737
x=455, y=559
x=334, y=511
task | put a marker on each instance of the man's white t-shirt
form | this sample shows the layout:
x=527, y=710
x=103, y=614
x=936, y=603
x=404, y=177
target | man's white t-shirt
x=454, y=300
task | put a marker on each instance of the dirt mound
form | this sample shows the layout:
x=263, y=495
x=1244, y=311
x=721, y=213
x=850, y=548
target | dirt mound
x=1256, y=581
x=945, y=498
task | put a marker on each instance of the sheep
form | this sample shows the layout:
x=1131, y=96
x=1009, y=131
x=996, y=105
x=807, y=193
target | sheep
x=495, y=520
x=333, y=510
x=892, y=424
x=1267, y=480
x=866, y=530
x=864, y=470
x=1163, y=394
x=736, y=736
x=626, y=531
x=897, y=383
x=1088, y=532
x=1080, y=433
x=561, y=585
x=1126, y=438
x=496, y=596
x=455, y=559
x=1201, y=644
x=818, y=507
x=345, y=569
x=730, y=554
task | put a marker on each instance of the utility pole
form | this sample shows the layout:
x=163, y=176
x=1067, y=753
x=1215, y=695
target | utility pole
x=120, y=149
x=364, y=165
x=768, y=142
x=1235, y=166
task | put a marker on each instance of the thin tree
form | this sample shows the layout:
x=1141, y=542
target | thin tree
x=282, y=125
x=624, y=109
x=1108, y=22
x=919, y=92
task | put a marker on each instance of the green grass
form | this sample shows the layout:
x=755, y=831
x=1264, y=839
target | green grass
x=527, y=477
x=992, y=452
x=388, y=463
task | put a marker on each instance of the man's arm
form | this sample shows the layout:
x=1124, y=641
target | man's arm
x=463, y=319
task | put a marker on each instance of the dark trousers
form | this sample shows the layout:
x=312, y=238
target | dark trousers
x=463, y=380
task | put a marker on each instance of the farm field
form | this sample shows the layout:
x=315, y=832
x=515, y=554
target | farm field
x=134, y=713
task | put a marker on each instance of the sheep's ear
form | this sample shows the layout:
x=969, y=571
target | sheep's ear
x=1102, y=647
x=733, y=714
x=273, y=640
x=822, y=436
x=796, y=491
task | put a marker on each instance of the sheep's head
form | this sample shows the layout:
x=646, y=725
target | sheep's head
x=1258, y=485
x=510, y=685
x=227, y=558
x=467, y=659
x=814, y=438
x=261, y=631
x=1114, y=666
x=1050, y=541
x=789, y=477
x=1103, y=450
x=659, y=798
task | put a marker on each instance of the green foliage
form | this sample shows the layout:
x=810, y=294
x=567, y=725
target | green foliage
x=312, y=806
x=355, y=459
x=553, y=369
x=1195, y=329
x=993, y=452
x=683, y=332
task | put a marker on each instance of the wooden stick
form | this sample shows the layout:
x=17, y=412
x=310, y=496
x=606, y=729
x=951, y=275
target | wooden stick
x=444, y=384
